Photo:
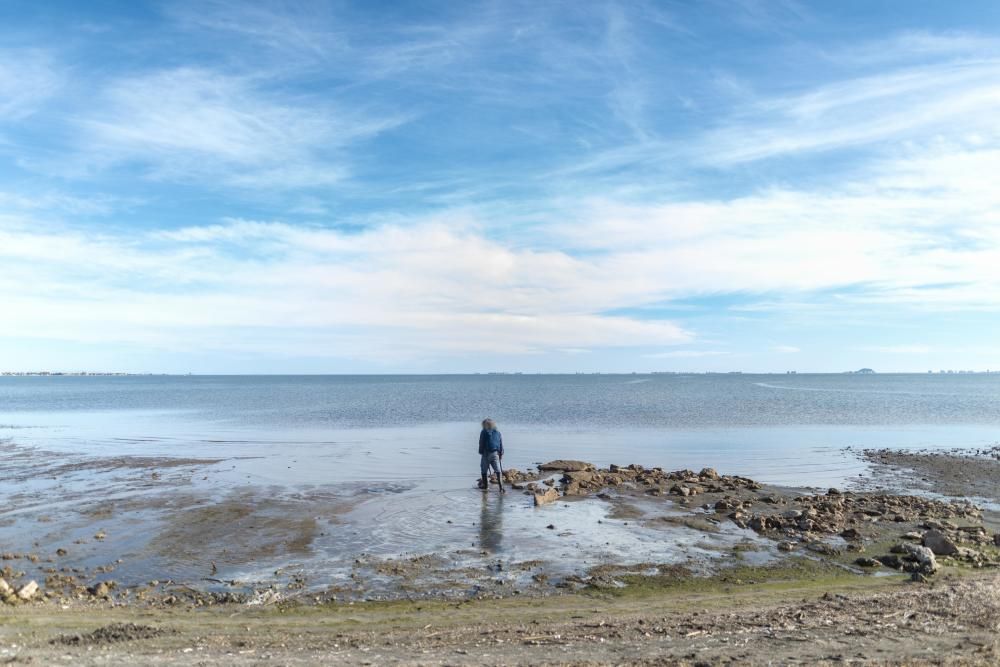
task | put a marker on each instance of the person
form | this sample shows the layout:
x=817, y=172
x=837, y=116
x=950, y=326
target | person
x=490, y=454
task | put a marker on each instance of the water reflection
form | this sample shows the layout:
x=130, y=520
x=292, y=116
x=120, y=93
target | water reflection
x=491, y=522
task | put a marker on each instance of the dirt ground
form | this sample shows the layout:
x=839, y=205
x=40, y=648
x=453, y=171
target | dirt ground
x=834, y=619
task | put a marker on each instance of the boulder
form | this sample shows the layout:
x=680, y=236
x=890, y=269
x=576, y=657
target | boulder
x=5, y=588
x=708, y=473
x=580, y=477
x=922, y=556
x=939, y=543
x=566, y=466
x=865, y=561
x=28, y=591
x=550, y=495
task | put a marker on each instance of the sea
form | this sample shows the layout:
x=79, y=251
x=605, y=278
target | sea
x=782, y=429
x=409, y=443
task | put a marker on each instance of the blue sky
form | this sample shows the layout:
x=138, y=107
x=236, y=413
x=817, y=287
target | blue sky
x=336, y=187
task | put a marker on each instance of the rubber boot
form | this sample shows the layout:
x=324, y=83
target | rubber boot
x=486, y=483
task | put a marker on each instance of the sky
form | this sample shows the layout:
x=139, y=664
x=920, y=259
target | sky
x=353, y=187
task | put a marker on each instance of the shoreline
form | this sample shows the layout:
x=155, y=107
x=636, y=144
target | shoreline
x=846, y=553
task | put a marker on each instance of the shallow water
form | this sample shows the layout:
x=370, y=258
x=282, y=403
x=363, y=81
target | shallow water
x=386, y=465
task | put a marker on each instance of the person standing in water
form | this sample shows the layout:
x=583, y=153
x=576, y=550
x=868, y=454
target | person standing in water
x=490, y=454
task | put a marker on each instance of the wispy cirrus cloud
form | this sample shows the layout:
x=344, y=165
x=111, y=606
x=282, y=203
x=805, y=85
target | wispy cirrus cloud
x=28, y=78
x=191, y=124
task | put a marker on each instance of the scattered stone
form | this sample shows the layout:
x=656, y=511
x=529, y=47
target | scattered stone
x=833, y=492
x=921, y=556
x=28, y=591
x=865, y=561
x=5, y=588
x=823, y=548
x=939, y=543
x=100, y=535
x=61, y=552
x=850, y=534
x=101, y=590
x=550, y=495
x=551, y=526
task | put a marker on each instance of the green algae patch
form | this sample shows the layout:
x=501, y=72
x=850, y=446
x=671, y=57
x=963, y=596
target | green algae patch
x=789, y=574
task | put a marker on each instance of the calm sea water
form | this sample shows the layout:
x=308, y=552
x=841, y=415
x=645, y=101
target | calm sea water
x=657, y=401
x=781, y=428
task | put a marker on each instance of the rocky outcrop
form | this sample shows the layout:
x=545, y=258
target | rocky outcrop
x=566, y=466
x=846, y=514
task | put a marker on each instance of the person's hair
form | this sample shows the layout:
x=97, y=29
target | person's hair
x=489, y=424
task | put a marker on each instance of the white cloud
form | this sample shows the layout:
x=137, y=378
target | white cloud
x=192, y=124
x=390, y=292
x=896, y=105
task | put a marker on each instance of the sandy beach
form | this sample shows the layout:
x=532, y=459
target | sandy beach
x=871, y=575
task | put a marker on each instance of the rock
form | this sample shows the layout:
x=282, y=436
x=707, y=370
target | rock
x=939, y=543
x=5, y=588
x=913, y=535
x=823, y=548
x=100, y=535
x=850, y=534
x=580, y=477
x=101, y=590
x=567, y=466
x=61, y=552
x=791, y=514
x=786, y=546
x=865, y=561
x=28, y=591
x=550, y=495
x=833, y=492
x=923, y=556
x=550, y=527
x=892, y=560
x=996, y=539
x=708, y=473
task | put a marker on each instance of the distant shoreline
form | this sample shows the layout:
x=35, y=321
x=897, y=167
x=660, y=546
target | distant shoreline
x=485, y=374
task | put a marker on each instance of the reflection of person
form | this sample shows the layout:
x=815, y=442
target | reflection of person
x=491, y=524
x=490, y=454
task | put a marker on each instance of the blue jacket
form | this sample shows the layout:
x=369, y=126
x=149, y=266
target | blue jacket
x=489, y=442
